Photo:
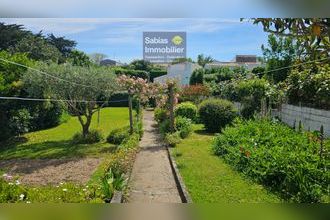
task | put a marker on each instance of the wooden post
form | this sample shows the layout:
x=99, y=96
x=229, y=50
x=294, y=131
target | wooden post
x=171, y=99
x=130, y=107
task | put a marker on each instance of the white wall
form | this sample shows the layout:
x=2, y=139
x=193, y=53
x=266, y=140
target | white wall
x=180, y=71
x=311, y=118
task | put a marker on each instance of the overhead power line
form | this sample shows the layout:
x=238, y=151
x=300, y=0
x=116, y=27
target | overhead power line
x=57, y=100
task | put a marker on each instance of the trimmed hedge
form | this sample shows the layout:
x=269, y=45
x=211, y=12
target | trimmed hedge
x=215, y=114
x=117, y=136
x=187, y=110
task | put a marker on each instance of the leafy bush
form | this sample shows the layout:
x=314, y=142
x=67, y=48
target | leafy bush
x=187, y=110
x=194, y=93
x=165, y=127
x=172, y=139
x=20, y=121
x=183, y=126
x=215, y=114
x=117, y=136
x=310, y=87
x=93, y=136
x=160, y=115
x=275, y=155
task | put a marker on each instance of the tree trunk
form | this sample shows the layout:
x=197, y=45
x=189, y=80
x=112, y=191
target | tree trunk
x=130, y=106
x=171, y=99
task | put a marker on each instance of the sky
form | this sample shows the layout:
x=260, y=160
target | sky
x=121, y=38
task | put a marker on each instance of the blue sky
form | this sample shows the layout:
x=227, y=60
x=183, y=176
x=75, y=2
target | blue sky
x=121, y=39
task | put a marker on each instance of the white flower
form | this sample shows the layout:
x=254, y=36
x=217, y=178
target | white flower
x=28, y=202
x=61, y=183
x=11, y=183
x=17, y=182
x=65, y=190
x=21, y=197
x=5, y=175
x=84, y=190
x=57, y=186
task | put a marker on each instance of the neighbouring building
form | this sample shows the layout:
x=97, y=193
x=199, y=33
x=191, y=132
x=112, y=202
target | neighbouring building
x=109, y=62
x=180, y=71
x=247, y=61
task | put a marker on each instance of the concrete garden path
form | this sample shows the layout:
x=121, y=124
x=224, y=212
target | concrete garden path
x=152, y=179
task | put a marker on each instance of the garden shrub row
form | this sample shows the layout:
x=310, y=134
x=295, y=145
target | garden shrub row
x=286, y=161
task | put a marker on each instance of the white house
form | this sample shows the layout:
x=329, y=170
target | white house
x=180, y=71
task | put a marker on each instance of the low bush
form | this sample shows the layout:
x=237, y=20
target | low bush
x=187, y=110
x=93, y=136
x=183, y=126
x=172, y=139
x=215, y=114
x=117, y=136
x=165, y=127
x=276, y=156
x=160, y=115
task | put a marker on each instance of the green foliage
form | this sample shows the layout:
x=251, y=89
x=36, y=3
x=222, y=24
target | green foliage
x=65, y=46
x=37, y=48
x=197, y=77
x=172, y=139
x=312, y=33
x=164, y=127
x=117, y=136
x=10, y=34
x=182, y=60
x=79, y=58
x=160, y=115
x=286, y=161
x=187, y=110
x=215, y=114
x=154, y=73
x=183, y=126
x=310, y=86
x=259, y=71
x=141, y=65
x=194, y=93
x=93, y=136
x=207, y=176
x=203, y=60
x=20, y=121
x=281, y=52
x=91, y=83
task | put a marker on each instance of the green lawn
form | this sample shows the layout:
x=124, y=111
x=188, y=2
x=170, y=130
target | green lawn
x=56, y=142
x=209, y=179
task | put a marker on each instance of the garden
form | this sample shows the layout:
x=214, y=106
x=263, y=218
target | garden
x=70, y=127
x=247, y=154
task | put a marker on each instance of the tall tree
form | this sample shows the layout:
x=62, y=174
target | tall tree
x=10, y=34
x=141, y=65
x=87, y=85
x=79, y=58
x=202, y=60
x=280, y=53
x=65, y=46
x=312, y=33
x=37, y=48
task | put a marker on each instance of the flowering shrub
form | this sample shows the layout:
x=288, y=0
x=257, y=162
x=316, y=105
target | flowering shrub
x=194, y=93
x=273, y=154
